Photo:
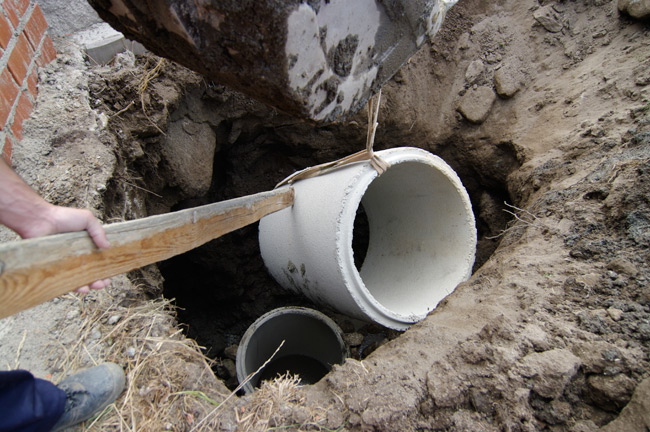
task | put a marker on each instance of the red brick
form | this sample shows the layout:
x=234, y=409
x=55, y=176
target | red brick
x=8, y=93
x=11, y=13
x=36, y=26
x=7, y=150
x=23, y=111
x=21, y=6
x=32, y=83
x=6, y=31
x=20, y=58
x=48, y=52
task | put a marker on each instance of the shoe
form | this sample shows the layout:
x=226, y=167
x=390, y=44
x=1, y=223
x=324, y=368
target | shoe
x=88, y=392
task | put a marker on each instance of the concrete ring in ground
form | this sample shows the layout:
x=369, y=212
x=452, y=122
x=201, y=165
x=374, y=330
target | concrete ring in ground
x=422, y=238
x=312, y=344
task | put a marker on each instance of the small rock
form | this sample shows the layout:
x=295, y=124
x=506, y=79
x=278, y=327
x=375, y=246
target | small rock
x=130, y=352
x=474, y=71
x=611, y=393
x=560, y=411
x=636, y=414
x=95, y=334
x=353, y=339
x=475, y=105
x=615, y=314
x=584, y=426
x=599, y=357
x=74, y=313
x=623, y=266
x=481, y=400
x=463, y=41
x=589, y=280
x=446, y=390
x=536, y=336
x=635, y=8
x=555, y=412
x=231, y=352
x=505, y=83
x=600, y=313
x=550, y=371
x=230, y=367
x=113, y=319
x=548, y=18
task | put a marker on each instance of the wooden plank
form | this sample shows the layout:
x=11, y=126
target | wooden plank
x=36, y=270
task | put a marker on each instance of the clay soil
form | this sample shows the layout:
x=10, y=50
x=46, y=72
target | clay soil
x=543, y=109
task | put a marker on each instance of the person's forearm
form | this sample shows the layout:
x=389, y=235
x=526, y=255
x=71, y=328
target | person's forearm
x=21, y=208
x=25, y=212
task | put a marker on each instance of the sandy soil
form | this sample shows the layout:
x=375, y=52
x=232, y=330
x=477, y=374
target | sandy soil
x=545, y=106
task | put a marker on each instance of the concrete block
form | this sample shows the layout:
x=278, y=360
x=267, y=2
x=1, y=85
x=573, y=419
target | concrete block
x=319, y=60
x=101, y=43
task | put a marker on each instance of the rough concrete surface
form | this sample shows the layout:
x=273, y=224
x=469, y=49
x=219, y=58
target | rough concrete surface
x=65, y=17
x=318, y=60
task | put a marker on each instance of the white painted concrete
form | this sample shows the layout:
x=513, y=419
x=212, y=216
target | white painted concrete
x=339, y=18
x=101, y=43
x=422, y=238
x=314, y=34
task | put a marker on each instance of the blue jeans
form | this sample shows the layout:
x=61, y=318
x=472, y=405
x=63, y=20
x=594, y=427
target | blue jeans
x=28, y=404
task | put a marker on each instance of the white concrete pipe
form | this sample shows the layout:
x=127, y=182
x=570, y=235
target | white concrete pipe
x=422, y=238
x=312, y=344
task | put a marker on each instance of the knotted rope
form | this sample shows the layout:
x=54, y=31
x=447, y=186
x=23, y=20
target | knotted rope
x=368, y=154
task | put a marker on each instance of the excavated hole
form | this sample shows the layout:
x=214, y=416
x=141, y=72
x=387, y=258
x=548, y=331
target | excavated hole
x=223, y=286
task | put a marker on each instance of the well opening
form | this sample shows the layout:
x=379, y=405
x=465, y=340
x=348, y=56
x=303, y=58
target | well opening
x=222, y=287
x=415, y=236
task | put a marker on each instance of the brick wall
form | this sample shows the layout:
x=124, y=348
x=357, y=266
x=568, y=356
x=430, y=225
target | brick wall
x=24, y=47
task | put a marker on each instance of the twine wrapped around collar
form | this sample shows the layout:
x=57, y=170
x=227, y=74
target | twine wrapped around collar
x=368, y=154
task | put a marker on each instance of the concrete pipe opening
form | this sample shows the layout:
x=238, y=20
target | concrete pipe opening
x=422, y=238
x=312, y=344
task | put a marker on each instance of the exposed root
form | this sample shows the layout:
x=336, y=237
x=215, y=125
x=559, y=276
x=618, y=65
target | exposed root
x=142, y=87
x=520, y=217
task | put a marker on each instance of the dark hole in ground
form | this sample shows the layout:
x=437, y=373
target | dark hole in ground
x=222, y=287
x=360, y=237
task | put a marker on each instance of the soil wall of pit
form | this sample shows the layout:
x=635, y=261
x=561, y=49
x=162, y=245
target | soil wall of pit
x=544, y=106
x=207, y=144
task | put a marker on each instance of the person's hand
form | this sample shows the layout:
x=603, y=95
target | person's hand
x=25, y=212
x=56, y=219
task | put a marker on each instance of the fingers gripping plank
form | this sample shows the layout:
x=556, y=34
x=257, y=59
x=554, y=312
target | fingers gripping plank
x=36, y=270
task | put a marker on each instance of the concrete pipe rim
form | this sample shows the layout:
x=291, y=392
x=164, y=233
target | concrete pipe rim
x=383, y=310
x=336, y=343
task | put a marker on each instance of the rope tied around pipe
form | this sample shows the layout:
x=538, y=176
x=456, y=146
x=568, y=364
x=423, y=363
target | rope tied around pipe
x=368, y=154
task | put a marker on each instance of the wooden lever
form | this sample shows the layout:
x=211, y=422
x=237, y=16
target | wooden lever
x=36, y=270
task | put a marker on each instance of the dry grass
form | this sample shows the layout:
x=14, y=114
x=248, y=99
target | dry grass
x=265, y=412
x=170, y=385
x=280, y=405
x=147, y=77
